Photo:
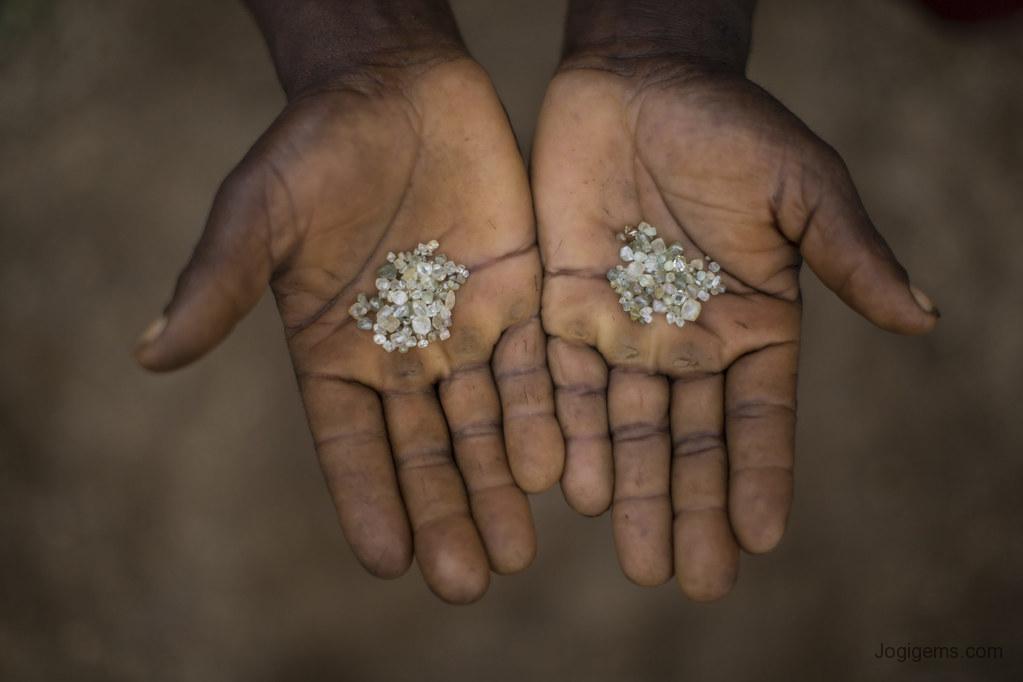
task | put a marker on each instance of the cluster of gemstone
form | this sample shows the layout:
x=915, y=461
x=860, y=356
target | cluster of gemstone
x=415, y=296
x=657, y=278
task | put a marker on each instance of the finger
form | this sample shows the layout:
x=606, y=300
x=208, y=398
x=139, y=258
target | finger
x=500, y=508
x=224, y=279
x=536, y=450
x=760, y=427
x=580, y=393
x=641, y=515
x=839, y=242
x=706, y=554
x=448, y=547
x=351, y=442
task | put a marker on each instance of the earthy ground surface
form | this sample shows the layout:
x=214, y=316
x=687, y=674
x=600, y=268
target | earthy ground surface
x=177, y=528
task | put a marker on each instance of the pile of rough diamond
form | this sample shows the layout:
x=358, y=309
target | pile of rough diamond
x=657, y=278
x=414, y=299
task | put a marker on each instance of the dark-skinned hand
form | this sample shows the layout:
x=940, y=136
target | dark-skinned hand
x=425, y=453
x=688, y=433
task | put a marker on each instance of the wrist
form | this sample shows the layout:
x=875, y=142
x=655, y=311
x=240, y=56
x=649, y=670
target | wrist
x=620, y=34
x=315, y=43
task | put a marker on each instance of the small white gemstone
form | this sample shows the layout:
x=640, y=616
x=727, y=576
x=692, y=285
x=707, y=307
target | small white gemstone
x=398, y=297
x=626, y=254
x=690, y=310
x=421, y=325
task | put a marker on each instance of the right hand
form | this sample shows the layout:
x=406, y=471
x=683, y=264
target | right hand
x=433, y=448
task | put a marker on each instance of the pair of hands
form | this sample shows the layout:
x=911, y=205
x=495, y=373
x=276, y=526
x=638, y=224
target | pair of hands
x=687, y=434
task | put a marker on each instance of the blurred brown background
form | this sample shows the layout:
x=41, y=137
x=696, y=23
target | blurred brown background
x=176, y=528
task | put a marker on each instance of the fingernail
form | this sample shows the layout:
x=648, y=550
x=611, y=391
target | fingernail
x=924, y=301
x=152, y=332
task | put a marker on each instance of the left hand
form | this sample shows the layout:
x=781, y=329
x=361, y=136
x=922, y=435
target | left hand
x=689, y=432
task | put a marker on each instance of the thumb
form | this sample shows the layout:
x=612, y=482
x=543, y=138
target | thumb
x=839, y=243
x=226, y=276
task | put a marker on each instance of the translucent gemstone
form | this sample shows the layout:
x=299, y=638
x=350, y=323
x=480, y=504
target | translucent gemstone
x=379, y=339
x=713, y=266
x=449, y=300
x=690, y=310
x=364, y=323
x=657, y=245
x=635, y=269
x=398, y=297
x=702, y=295
x=646, y=281
x=626, y=254
x=659, y=307
x=444, y=334
x=424, y=269
x=422, y=343
x=421, y=325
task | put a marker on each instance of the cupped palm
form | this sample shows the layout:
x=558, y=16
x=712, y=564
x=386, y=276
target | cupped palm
x=689, y=432
x=429, y=449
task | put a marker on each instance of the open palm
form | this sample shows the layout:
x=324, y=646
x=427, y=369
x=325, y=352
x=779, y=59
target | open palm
x=427, y=450
x=689, y=432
